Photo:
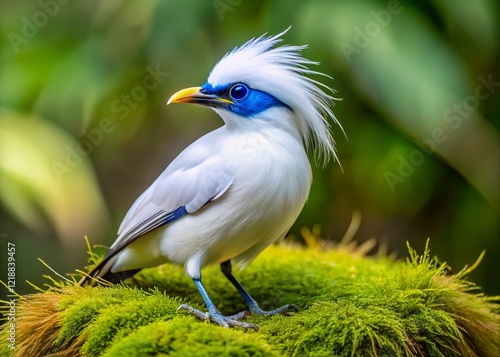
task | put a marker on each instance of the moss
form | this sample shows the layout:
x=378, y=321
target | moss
x=85, y=305
x=185, y=337
x=350, y=305
x=116, y=322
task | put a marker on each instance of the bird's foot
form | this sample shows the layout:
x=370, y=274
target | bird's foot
x=220, y=319
x=284, y=310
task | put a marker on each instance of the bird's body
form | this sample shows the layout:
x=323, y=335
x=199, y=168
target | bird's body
x=245, y=219
x=238, y=189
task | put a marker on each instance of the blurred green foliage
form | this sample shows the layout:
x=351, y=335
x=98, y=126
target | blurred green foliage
x=84, y=128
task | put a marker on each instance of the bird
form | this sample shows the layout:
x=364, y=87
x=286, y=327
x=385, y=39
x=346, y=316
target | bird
x=237, y=189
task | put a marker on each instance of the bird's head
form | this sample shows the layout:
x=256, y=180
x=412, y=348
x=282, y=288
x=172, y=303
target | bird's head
x=254, y=81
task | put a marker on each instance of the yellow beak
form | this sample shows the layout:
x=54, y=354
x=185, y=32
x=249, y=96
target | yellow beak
x=193, y=95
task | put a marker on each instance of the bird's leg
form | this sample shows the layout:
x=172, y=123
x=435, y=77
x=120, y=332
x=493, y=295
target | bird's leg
x=254, y=308
x=213, y=314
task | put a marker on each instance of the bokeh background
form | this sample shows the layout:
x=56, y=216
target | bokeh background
x=84, y=126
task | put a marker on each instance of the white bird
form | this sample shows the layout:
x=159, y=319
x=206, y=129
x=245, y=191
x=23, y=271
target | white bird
x=239, y=188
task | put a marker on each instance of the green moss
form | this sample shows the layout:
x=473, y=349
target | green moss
x=118, y=320
x=79, y=309
x=281, y=275
x=350, y=305
x=185, y=337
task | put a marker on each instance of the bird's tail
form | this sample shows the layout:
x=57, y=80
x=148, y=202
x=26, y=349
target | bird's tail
x=101, y=273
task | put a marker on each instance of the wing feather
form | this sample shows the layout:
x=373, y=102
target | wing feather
x=175, y=193
x=196, y=177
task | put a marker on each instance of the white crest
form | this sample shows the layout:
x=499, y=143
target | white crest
x=283, y=73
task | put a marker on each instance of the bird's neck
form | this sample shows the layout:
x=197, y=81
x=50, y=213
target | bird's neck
x=275, y=124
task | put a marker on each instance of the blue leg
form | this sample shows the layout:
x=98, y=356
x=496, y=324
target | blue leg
x=213, y=314
x=254, y=308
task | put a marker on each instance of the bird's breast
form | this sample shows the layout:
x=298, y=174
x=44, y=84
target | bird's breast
x=272, y=181
x=271, y=162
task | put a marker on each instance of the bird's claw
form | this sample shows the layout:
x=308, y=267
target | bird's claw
x=284, y=310
x=220, y=319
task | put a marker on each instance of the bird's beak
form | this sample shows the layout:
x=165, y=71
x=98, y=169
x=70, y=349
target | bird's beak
x=193, y=95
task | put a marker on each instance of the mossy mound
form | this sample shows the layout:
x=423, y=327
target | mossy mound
x=350, y=305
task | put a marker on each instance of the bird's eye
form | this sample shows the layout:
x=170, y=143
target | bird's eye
x=239, y=91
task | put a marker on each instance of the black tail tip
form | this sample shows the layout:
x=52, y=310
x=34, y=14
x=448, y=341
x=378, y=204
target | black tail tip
x=112, y=278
